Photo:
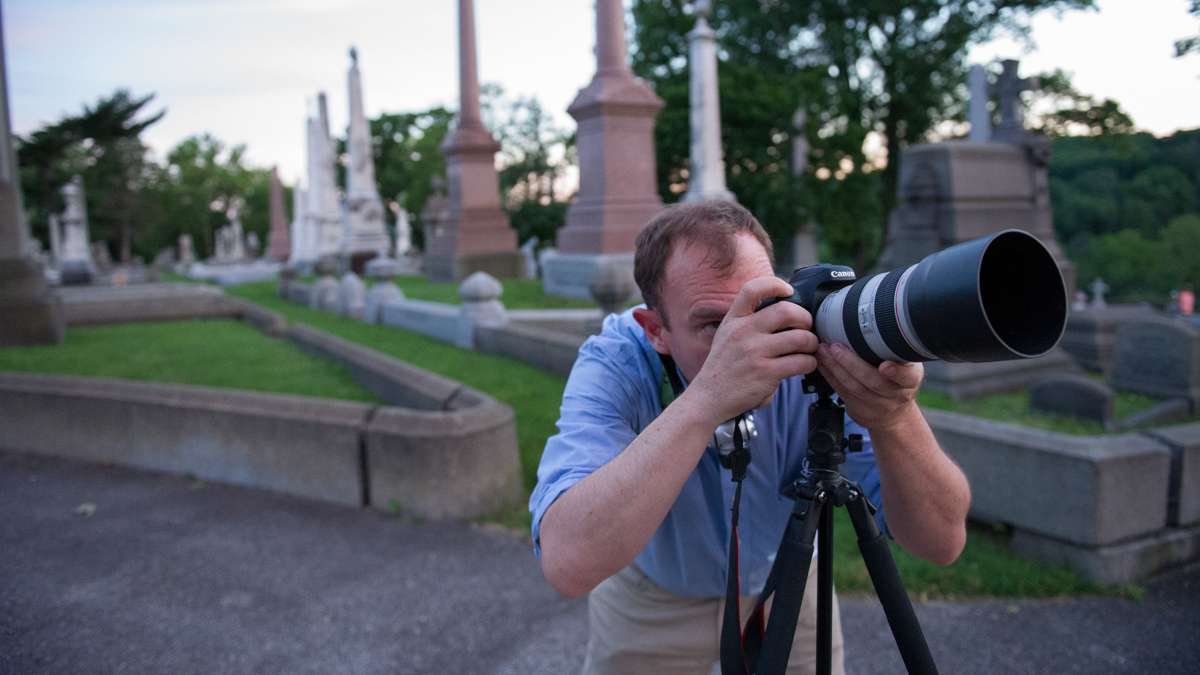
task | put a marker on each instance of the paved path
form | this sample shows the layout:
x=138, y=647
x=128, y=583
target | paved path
x=168, y=575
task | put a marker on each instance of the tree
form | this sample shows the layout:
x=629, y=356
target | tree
x=1072, y=113
x=889, y=69
x=102, y=144
x=1189, y=45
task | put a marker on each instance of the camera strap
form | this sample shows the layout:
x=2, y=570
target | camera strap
x=739, y=648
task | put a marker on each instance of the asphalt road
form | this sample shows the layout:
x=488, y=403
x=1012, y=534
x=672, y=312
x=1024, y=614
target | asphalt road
x=109, y=570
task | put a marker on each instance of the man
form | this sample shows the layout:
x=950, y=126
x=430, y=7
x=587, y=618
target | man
x=631, y=503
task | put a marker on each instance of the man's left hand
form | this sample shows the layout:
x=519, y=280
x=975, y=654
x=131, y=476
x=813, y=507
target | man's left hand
x=876, y=398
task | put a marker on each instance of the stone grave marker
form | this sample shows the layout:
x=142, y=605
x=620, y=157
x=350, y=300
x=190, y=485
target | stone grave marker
x=1158, y=357
x=1074, y=396
x=352, y=295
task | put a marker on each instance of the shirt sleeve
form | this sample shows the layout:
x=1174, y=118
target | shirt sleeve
x=596, y=422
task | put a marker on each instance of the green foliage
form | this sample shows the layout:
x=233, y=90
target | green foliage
x=1191, y=44
x=892, y=70
x=211, y=352
x=202, y=179
x=102, y=145
x=1072, y=113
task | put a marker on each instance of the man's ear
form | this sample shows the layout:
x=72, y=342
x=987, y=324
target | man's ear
x=652, y=323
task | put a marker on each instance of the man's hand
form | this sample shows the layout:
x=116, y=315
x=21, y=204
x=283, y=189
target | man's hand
x=752, y=351
x=877, y=398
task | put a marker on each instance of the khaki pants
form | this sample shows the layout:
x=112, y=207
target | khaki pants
x=637, y=627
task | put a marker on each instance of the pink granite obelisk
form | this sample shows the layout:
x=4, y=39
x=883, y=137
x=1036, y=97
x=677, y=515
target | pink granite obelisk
x=278, y=246
x=475, y=234
x=617, y=183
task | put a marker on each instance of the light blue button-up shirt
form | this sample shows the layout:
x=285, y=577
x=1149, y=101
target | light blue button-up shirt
x=613, y=393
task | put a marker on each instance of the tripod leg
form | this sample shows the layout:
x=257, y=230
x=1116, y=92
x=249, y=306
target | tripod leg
x=825, y=592
x=886, y=579
x=795, y=557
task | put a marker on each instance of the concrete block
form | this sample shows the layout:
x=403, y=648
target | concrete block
x=271, y=323
x=1184, y=442
x=437, y=320
x=293, y=444
x=97, y=305
x=1118, y=563
x=457, y=464
x=550, y=351
x=1087, y=490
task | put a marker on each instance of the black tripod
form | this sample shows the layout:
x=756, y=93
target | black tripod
x=822, y=489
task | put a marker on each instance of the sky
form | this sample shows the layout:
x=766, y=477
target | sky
x=246, y=70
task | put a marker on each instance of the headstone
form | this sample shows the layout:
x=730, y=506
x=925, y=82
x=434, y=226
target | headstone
x=381, y=268
x=303, y=237
x=1091, y=334
x=253, y=245
x=1099, y=288
x=187, y=254
x=101, y=256
x=278, y=244
x=480, y=294
x=403, y=233
x=475, y=234
x=706, y=175
x=1007, y=90
x=1158, y=357
x=978, y=113
x=366, y=233
x=77, y=266
x=618, y=191
x=235, y=248
x=1076, y=396
x=55, y=229
x=1079, y=302
x=326, y=291
x=352, y=295
x=611, y=289
x=529, y=250
x=382, y=293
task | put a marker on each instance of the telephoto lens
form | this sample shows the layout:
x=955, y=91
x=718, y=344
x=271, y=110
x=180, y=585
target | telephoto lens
x=996, y=298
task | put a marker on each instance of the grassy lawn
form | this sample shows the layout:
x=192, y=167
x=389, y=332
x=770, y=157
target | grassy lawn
x=1014, y=407
x=212, y=352
x=533, y=394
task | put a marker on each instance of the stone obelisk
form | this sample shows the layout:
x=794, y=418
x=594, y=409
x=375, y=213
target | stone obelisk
x=278, y=244
x=617, y=182
x=977, y=105
x=475, y=234
x=301, y=256
x=366, y=233
x=324, y=213
x=30, y=313
x=706, y=177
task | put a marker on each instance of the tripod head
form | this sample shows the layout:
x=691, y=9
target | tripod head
x=827, y=442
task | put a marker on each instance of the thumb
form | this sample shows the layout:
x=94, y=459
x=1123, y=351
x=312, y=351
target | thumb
x=755, y=291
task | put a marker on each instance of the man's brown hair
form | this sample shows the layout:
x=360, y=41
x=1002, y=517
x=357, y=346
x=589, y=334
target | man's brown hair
x=712, y=224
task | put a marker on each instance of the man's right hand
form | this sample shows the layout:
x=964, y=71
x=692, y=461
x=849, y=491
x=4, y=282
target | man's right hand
x=753, y=351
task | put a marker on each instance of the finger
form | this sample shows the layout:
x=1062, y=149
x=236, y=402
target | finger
x=794, y=364
x=906, y=375
x=858, y=369
x=791, y=342
x=842, y=381
x=782, y=316
x=755, y=291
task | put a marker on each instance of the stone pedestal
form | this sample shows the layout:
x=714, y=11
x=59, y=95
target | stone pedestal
x=366, y=235
x=473, y=234
x=570, y=274
x=617, y=179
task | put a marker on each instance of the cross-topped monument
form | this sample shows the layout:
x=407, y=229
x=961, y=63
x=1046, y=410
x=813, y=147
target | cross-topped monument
x=1007, y=91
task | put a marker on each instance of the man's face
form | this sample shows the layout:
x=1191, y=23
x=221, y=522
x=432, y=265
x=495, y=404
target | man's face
x=695, y=297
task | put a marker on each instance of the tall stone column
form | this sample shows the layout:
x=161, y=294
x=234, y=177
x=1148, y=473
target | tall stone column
x=706, y=178
x=324, y=213
x=978, y=114
x=30, y=313
x=366, y=232
x=278, y=244
x=475, y=234
x=617, y=182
